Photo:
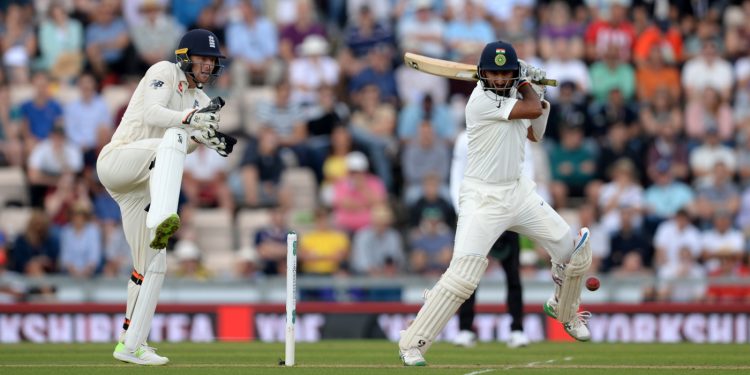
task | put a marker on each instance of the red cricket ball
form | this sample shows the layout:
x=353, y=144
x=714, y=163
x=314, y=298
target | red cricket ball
x=592, y=283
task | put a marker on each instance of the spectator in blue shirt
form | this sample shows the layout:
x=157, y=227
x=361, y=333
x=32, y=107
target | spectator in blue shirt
x=80, y=244
x=378, y=71
x=431, y=244
x=665, y=197
x=40, y=114
x=35, y=252
x=468, y=34
x=412, y=116
x=107, y=39
x=365, y=33
x=88, y=122
x=187, y=11
x=253, y=43
x=270, y=241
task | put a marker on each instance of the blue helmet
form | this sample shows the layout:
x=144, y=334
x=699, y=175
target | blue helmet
x=198, y=42
x=497, y=56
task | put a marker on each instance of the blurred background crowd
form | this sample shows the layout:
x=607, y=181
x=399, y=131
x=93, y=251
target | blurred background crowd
x=648, y=143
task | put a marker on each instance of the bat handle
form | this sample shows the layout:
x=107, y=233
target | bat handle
x=547, y=82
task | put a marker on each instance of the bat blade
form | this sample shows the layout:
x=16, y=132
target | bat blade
x=443, y=68
x=450, y=69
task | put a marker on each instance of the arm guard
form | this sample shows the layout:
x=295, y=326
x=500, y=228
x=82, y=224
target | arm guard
x=539, y=124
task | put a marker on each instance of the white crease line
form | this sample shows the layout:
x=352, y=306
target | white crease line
x=480, y=371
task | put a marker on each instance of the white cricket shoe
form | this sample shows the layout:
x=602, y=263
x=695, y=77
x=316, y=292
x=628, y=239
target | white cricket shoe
x=412, y=357
x=144, y=355
x=576, y=328
x=518, y=339
x=466, y=339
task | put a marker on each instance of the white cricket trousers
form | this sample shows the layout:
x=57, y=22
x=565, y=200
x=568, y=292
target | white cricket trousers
x=488, y=210
x=124, y=170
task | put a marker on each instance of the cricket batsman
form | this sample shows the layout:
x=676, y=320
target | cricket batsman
x=167, y=117
x=503, y=111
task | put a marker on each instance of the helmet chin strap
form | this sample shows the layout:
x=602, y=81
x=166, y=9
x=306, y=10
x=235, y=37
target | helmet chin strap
x=195, y=81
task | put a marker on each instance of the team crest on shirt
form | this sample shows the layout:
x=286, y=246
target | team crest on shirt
x=156, y=83
x=179, y=88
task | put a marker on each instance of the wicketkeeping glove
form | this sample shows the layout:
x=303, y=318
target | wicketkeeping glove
x=222, y=143
x=204, y=118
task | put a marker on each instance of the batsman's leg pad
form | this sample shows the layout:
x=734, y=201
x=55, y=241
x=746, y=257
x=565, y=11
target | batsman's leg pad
x=145, y=306
x=456, y=285
x=166, y=176
x=569, y=296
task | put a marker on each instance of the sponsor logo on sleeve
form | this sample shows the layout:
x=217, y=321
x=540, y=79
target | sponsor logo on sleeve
x=156, y=83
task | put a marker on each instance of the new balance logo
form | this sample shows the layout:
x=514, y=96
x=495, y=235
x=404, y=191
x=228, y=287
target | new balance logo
x=179, y=138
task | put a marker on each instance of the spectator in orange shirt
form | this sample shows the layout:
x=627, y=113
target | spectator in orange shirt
x=655, y=73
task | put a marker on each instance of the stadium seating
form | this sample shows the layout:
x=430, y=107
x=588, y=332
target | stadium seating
x=13, y=220
x=250, y=98
x=13, y=186
x=116, y=96
x=213, y=229
x=249, y=221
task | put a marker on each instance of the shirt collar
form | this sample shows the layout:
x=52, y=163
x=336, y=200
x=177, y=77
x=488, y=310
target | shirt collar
x=182, y=77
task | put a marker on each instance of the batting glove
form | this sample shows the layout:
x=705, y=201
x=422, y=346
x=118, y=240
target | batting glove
x=531, y=72
x=539, y=89
x=222, y=143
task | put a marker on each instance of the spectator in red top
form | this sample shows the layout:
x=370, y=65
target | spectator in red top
x=612, y=27
x=662, y=35
x=730, y=266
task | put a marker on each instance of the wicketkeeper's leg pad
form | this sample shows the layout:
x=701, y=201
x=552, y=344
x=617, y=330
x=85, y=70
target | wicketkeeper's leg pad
x=456, y=285
x=145, y=306
x=134, y=287
x=166, y=176
x=569, y=295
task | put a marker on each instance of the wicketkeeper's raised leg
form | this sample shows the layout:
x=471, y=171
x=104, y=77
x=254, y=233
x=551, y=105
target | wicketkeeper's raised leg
x=162, y=222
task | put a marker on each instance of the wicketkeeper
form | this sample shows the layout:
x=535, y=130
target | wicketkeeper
x=167, y=117
x=503, y=111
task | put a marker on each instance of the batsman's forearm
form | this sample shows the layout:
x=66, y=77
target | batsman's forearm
x=529, y=95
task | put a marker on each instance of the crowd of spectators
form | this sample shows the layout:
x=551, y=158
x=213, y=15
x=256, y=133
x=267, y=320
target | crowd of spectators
x=648, y=143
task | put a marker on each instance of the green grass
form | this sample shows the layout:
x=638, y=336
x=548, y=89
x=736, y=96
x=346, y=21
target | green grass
x=362, y=357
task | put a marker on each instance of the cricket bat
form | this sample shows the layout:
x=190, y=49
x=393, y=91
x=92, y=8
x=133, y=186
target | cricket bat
x=451, y=69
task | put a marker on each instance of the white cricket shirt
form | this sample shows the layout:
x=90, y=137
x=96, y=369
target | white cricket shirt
x=496, y=145
x=458, y=165
x=158, y=103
